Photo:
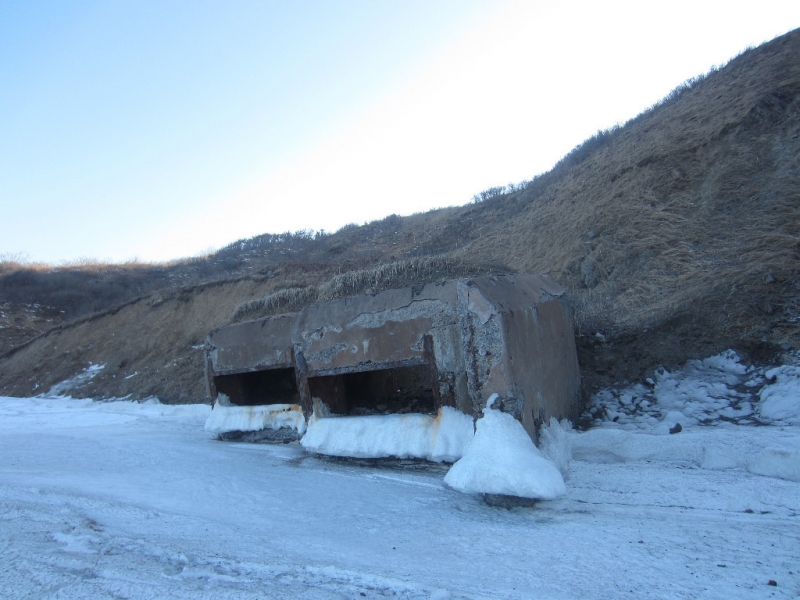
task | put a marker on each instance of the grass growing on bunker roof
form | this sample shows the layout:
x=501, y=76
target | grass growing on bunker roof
x=363, y=281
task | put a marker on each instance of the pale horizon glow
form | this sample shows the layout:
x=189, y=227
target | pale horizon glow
x=137, y=131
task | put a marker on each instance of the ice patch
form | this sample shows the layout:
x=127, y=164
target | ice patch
x=152, y=408
x=720, y=456
x=779, y=461
x=502, y=459
x=225, y=419
x=440, y=438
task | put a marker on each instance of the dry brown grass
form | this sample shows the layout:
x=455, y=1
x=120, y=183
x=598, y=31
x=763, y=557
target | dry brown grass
x=285, y=300
x=692, y=208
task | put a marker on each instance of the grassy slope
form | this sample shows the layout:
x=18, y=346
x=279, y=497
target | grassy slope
x=676, y=236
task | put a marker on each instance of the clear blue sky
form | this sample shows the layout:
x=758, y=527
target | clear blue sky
x=158, y=130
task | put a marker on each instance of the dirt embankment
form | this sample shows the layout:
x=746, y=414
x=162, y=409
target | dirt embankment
x=150, y=347
x=677, y=236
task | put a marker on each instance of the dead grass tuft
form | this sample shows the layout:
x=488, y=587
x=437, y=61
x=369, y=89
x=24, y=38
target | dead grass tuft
x=364, y=281
x=283, y=301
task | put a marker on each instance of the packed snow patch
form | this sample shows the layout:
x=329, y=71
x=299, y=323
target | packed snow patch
x=443, y=437
x=224, y=419
x=502, y=459
x=775, y=452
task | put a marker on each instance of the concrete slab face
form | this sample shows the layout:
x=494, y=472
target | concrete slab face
x=410, y=332
x=360, y=348
x=543, y=363
x=383, y=328
x=264, y=343
x=482, y=345
x=252, y=363
x=519, y=343
x=511, y=292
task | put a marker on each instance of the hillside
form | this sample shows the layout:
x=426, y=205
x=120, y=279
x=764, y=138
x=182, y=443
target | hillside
x=676, y=235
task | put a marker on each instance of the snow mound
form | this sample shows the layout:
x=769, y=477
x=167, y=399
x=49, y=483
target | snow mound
x=224, y=419
x=502, y=459
x=440, y=438
x=780, y=401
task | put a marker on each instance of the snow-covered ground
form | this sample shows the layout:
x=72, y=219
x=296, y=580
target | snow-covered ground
x=128, y=500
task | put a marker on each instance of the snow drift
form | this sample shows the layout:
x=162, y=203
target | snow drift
x=502, y=459
x=443, y=437
x=780, y=401
x=224, y=419
x=774, y=452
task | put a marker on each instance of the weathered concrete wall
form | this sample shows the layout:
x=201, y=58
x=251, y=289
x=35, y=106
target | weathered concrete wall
x=397, y=328
x=523, y=347
x=264, y=343
x=262, y=346
x=451, y=343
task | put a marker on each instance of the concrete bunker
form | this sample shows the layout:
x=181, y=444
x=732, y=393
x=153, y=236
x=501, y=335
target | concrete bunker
x=410, y=350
